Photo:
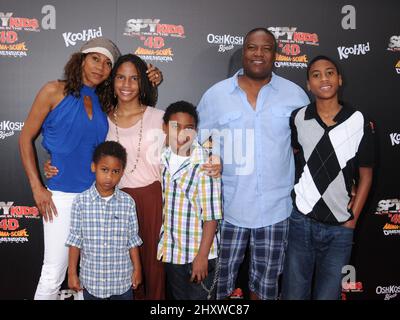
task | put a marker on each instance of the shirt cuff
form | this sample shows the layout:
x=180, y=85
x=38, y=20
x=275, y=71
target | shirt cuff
x=135, y=242
x=74, y=241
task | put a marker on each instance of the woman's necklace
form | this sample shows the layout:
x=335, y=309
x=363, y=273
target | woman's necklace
x=115, y=115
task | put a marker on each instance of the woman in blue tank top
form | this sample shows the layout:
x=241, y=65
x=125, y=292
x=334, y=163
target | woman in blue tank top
x=69, y=115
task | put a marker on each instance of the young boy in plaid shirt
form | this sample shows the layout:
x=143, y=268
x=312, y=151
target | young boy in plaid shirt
x=192, y=207
x=104, y=232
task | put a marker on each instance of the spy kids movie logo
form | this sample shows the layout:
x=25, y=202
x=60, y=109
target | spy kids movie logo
x=12, y=27
x=291, y=44
x=11, y=220
x=155, y=38
x=391, y=209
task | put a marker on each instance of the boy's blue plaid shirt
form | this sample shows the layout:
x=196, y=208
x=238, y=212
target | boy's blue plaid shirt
x=104, y=231
x=190, y=197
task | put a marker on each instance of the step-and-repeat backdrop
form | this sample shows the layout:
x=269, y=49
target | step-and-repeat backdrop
x=196, y=44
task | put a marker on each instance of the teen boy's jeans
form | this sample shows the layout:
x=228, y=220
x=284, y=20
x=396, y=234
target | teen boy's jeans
x=315, y=247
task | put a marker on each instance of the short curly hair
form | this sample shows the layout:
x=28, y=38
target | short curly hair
x=110, y=148
x=181, y=106
x=318, y=58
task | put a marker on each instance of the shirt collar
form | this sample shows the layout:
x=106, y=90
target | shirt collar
x=235, y=83
x=197, y=156
x=311, y=113
x=95, y=195
x=86, y=90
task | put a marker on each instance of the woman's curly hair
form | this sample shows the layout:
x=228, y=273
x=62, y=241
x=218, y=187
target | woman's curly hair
x=73, y=80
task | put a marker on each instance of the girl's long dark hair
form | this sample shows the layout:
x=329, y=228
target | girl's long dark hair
x=148, y=94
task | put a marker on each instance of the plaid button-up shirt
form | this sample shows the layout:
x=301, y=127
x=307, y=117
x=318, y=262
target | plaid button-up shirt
x=104, y=231
x=189, y=198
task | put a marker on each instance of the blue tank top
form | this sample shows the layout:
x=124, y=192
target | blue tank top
x=70, y=137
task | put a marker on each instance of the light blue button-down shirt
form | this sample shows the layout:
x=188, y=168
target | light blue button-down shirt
x=258, y=164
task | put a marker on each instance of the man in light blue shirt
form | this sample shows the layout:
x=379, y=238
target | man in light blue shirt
x=248, y=118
